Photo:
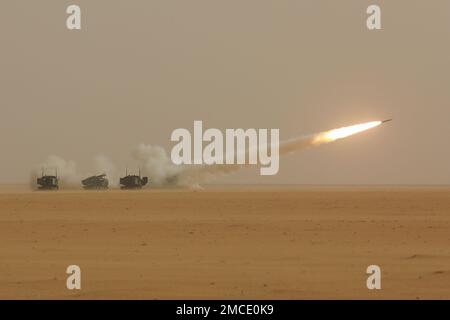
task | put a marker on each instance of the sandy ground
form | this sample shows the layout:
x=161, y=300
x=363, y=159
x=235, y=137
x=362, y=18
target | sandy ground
x=226, y=243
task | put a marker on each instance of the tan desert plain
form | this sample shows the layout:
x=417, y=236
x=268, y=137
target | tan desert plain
x=231, y=242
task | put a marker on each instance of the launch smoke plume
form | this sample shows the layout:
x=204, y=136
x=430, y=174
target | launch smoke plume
x=196, y=174
x=158, y=167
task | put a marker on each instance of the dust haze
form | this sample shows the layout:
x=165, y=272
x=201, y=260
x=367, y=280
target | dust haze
x=136, y=72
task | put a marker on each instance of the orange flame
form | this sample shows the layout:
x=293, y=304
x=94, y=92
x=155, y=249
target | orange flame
x=344, y=132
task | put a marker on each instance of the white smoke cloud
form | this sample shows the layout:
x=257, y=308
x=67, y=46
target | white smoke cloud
x=156, y=165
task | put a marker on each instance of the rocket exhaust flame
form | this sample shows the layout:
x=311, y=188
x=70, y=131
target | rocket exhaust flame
x=344, y=132
x=316, y=139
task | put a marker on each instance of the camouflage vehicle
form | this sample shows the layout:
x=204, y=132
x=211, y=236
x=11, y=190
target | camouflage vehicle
x=133, y=181
x=47, y=182
x=95, y=182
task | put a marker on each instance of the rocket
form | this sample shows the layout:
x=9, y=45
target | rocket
x=386, y=120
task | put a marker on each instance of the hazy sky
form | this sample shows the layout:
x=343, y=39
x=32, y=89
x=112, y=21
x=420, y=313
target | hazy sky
x=140, y=69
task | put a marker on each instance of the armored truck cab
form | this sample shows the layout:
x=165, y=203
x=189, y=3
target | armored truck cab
x=133, y=181
x=46, y=182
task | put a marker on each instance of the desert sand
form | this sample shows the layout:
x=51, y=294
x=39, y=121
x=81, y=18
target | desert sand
x=250, y=242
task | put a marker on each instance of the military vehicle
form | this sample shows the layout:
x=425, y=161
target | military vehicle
x=95, y=182
x=133, y=181
x=47, y=182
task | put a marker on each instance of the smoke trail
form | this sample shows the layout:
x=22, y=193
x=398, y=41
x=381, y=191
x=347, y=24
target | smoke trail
x=196, y=174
